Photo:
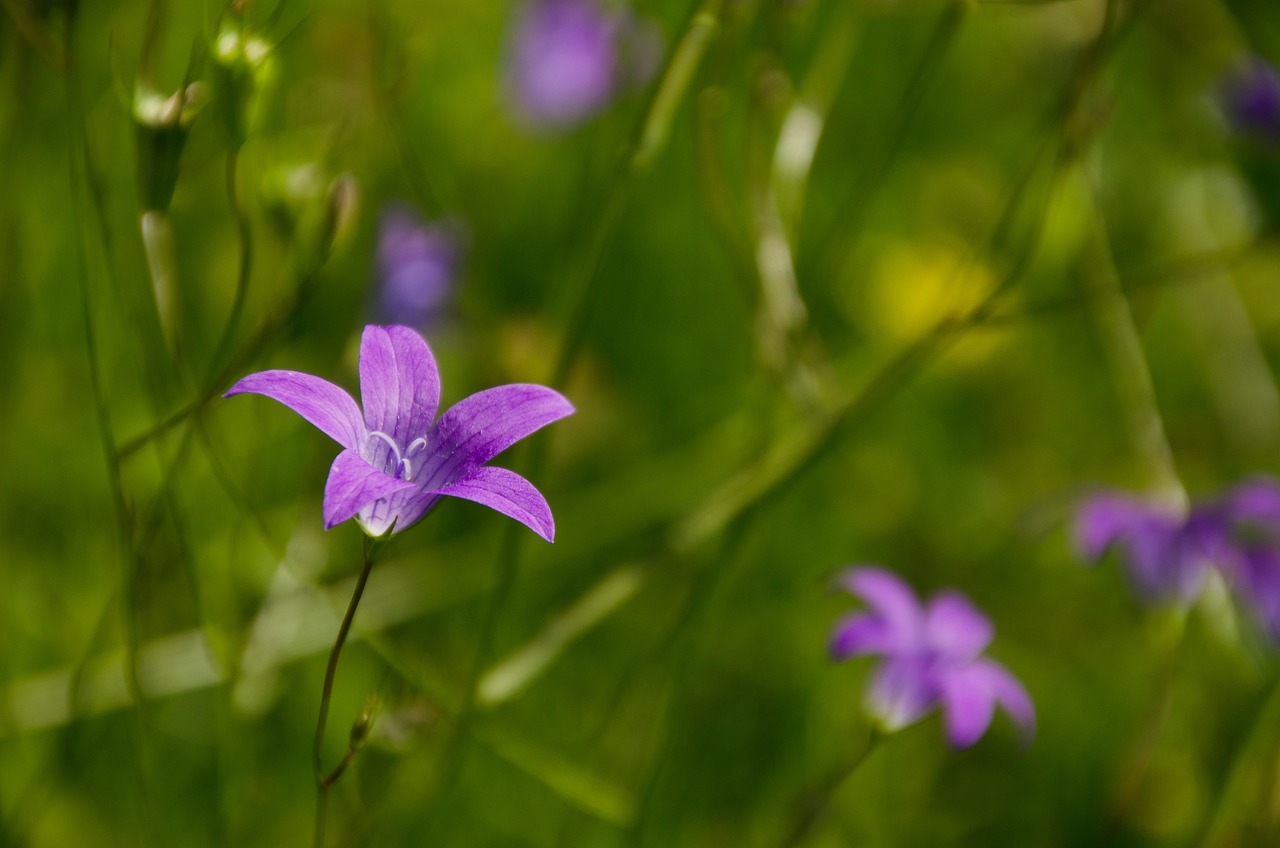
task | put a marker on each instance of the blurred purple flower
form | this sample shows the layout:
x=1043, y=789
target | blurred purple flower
x=1252, y=513
x=1167, y=552
x=1251, y=98
x=568, y=58
x=417, y=267
x=395, y=463
x=932, y=658
x=1168, y=555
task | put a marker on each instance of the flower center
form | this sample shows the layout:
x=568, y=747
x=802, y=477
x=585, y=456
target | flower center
x=403, y=467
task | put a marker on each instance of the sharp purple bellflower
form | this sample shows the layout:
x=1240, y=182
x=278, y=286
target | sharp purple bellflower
x=396, y=463
x=569, y=58
x=932, y=658
x=417, y=267
x=1251, y=98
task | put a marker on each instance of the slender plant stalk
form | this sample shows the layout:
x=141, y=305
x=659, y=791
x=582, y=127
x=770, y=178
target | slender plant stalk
x=1156, y=716
x=832, y=246
x=815, y=804
x=372, y=548
x=649, y=140
x=244, y=233
x=78, y=172
x=1264, y=721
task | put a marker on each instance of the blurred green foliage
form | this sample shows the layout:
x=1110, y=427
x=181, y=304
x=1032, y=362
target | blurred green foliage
x=865, y=296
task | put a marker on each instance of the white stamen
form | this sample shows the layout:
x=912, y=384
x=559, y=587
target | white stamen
x=390, y=443
x=420, y=442
x=407, y=476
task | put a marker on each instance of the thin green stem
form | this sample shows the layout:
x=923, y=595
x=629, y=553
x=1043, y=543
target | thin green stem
x=832, y=246
x=244, y=233
x=253, y=347
x=1264, y=722
x=78, y=173
x=372, y=548
x=815, y=803
x=649, y=140
x=1156, y=716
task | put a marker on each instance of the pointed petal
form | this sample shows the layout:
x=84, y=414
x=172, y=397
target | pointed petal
x=1106, y=519
x=968, y=705
x=353, y=484
x=901, y=691
x=891, y=599
x=1008, y=693
x=955, y=627
x=1149, y=535
x=477, y=428
x=1257, y=578
x=861, y=634
x=399, y=382
x=1256, y=501
x=323, y=404
x=508, y=493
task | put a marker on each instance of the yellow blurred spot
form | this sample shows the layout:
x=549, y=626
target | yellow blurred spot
x=917, y=286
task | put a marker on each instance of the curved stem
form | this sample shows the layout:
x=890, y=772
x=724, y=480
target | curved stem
x=245, y=235
x=817, y=802
x=372, y=547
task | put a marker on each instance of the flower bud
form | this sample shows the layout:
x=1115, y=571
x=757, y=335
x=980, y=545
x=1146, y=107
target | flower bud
x=244, y=69
x=161, y=126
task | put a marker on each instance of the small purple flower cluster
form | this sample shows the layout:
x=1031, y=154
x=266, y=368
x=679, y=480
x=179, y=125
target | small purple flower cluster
x=1169, y=552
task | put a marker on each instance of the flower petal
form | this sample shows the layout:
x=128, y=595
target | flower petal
x=399, y=382
x=901, y=691
x=861, y=634
x=1009, y=694
x=477, y=428
x=890, y=598
x=354, y=484
x=1105, y=519
x=955, y=628
x=508, y=493
x=967, y=704
x=320, y=402
x=1150, y=536
x=1257, y=579
x=1255, y=501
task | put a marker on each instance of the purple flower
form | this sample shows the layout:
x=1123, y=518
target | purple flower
x=1251, y=98
x=417, y=264
x=1252, y=513
x=932, y=657
x=1169, y=555
x=569, y=57
x=396, y=463
x=1167, y=551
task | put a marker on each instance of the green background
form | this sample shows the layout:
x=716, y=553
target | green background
x=1031, y=258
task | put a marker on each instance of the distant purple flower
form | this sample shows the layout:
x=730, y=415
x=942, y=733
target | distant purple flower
x=568, y=59
x=932, y=658
x=417, y=266
x=1251, y=97
x=1237, y=533
x=1252, y=513
x=396, y=463
x=1167, y=552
